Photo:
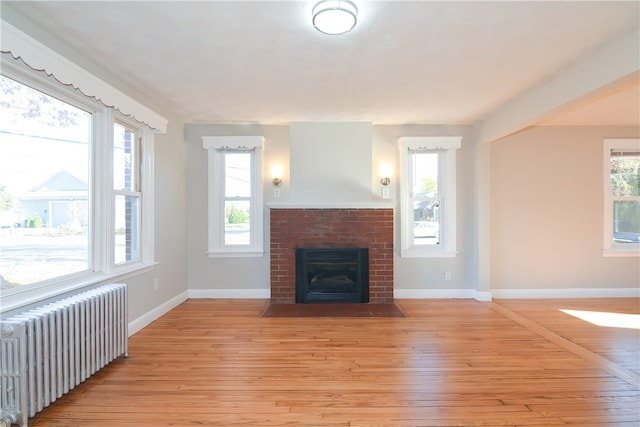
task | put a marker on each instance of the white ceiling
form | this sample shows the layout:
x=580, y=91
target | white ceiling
x=405, y=61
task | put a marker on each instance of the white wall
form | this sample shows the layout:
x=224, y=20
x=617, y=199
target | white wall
x=330, y=162
x=305, y=146
x=547, y=212
x=425, y=277
x=227, y=277
x=170, y=233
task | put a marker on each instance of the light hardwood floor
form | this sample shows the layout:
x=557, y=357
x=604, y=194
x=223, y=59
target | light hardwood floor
x=447, y=363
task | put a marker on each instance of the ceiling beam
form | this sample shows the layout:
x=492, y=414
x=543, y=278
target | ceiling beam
x=614, y=66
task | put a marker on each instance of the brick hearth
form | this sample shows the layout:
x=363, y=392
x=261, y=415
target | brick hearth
x=332, y=228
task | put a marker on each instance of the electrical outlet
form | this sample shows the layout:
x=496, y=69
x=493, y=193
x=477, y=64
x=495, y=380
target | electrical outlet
x=156, y=283
x=447, y=275
x=385, y=193
x=276, y=192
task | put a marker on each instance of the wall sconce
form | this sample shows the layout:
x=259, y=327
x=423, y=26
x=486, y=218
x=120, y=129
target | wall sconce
x=276, y=174
x=385, y=179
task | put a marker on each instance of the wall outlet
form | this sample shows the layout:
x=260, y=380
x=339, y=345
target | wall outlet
x=385, y=193
x=276, y=192
x=156, y=283
x=447, y=275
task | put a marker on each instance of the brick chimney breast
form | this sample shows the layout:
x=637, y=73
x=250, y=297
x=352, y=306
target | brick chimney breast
x=293, y=228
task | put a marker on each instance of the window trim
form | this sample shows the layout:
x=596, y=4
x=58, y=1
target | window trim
x=101, y=198
x=38, y=56
x=609, y=248
x=448, y=145
x=215, y=180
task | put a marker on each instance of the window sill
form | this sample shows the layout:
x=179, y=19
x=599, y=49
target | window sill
x=21, y=299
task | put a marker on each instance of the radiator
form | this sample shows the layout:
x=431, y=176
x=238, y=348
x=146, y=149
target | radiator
x=49, y=350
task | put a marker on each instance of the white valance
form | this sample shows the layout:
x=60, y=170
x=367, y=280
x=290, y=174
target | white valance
x=417, y=143
x=232, y=142
x=39, y=57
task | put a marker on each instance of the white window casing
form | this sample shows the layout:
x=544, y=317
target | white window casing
x=39, y=57
x=216, y=147
x=611, y=248
x=446, y=146
x=101, y=196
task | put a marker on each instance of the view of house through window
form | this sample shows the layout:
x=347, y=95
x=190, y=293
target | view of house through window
x=44, y=186
x=427, y=199
x=428, y=195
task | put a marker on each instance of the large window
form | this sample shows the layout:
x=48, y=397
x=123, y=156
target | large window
x=621, y=196
x=428, y=196
x=235, y=196
x=71, y=190
x=44, y=186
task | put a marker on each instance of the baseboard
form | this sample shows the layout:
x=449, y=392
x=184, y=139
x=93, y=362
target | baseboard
x=483, y=295
x=142, y=321
x=230, y=293
x=566, y=293
x=438, y=294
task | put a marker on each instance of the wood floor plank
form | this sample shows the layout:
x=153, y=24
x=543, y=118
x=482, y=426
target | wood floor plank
x=446, y=363
x=620, y=371
x=617, y=344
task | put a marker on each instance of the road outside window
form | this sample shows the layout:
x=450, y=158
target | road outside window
x=44, y=187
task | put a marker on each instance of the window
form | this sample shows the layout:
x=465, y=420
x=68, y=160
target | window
x=235, y=195
x=428, y=196
x=621, y=196
x=71, y=190
x=44, y=187
x=126, y=190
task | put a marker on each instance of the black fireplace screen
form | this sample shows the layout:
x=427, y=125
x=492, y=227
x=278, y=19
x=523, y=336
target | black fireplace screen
x=332, y=275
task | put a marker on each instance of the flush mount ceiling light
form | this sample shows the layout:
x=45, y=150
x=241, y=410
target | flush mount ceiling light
x=334, y=16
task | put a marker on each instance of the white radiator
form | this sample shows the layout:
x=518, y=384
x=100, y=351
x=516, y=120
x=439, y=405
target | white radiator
x=49, y=350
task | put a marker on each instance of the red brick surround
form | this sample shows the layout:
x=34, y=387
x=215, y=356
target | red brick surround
x=332, y=228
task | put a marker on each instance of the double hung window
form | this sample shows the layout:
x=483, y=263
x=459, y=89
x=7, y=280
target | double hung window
x=621, y=172
x=428, y=196
x=127, y=194
x=235, y=195
x=76, y=204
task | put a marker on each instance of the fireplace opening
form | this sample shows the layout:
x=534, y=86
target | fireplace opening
x=332, y=275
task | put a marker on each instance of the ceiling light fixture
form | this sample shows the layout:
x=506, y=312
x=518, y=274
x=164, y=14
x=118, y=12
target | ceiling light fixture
x=334, y=16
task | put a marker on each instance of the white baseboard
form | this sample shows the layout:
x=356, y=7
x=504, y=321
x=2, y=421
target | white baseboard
x=442, y=294
x=142, y=321
x=566, y=293
x=230, y=293
x=483, y=295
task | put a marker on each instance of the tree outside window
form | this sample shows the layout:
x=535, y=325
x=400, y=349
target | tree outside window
x=622, y=195
x=235, y=195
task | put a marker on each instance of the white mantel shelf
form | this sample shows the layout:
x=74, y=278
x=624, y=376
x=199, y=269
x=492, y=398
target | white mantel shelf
x=374, y=204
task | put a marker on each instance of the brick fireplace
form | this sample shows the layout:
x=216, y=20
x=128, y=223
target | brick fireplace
x=293, y=228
